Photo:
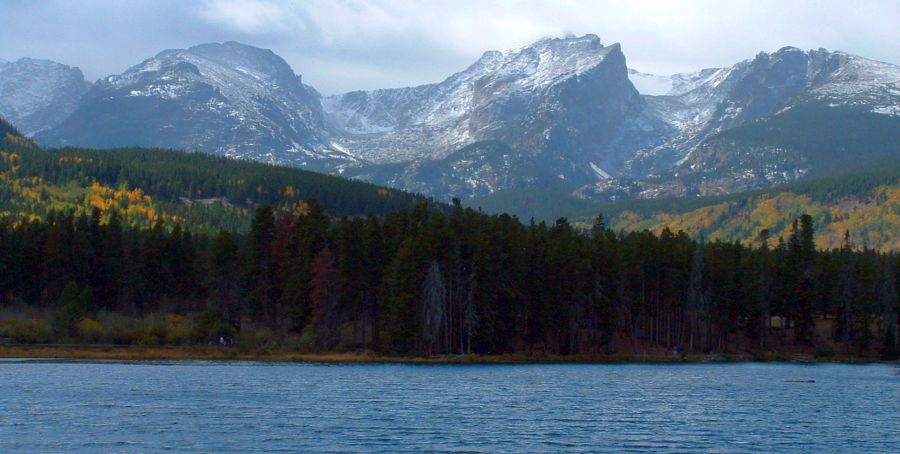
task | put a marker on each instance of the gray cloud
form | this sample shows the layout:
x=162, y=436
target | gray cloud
x=340, y=45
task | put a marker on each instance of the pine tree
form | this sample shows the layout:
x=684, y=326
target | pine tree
x=225, y=295
x=57, y=263
x=801, y=250
x=325, y=294
x=352, y=266
x=847, y=290
x=888, y=301
x=400, y=302
x=865, y=303
x=261, y=268
x=373, y=264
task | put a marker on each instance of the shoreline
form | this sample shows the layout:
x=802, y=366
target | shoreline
x=206, y=353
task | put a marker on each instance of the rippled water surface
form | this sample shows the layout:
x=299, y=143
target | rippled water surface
x=246, y=406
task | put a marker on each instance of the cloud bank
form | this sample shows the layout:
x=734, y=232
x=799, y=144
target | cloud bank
x=341, y=45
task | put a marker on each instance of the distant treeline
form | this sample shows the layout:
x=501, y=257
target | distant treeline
x=169, y=175
x=142, y=185
x=426, y=281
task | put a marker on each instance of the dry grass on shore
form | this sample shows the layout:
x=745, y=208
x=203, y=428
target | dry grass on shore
x=175, y=353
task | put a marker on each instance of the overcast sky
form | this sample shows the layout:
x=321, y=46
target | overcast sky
x=341, y=45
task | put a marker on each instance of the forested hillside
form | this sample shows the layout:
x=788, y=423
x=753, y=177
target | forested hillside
x=144, y=186
x=821, y=138
x=867, y=204
x=864, y=201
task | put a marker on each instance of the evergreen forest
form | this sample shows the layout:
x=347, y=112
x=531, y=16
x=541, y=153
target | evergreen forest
x=290, y=260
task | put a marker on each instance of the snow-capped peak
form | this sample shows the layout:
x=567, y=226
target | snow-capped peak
x=552, y=59
x=249, y=101
x=445, y=109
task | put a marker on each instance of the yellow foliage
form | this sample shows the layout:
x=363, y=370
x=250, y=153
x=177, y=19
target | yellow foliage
x=18, y=140
x=873, y=220
x=9, y=157
x=73, y=159
x=299, y=208
x=178, y=329
x=89, y=330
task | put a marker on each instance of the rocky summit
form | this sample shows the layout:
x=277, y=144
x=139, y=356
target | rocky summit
x=719, y=114
x=39, y=94
x=564, y=103
x=229, y=99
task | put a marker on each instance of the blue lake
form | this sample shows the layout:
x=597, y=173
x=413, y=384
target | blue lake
x=53, y=406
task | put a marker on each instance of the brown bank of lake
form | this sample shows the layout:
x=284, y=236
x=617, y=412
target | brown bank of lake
x=174, y=353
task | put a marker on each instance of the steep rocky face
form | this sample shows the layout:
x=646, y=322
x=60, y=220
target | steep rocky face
x=567, y=103
x=765, y=89
x=715, y=100
x=228, y=99
x=830, y=88
x=812, y=138
x=475, y=170
x=763, y=122
x=38, y=94
x=761, y=87
x=571, y=98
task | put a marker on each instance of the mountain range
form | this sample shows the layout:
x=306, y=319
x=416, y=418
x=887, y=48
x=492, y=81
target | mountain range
x=561, y=114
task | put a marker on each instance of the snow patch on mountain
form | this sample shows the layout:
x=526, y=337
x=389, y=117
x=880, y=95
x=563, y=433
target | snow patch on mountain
x=686, y=82
x=674, y=85
x=601, y=174
x=650, y=84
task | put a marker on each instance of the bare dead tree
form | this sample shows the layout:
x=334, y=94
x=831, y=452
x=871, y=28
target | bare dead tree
x=470, y=319
x=695, y=300
x=434, y=297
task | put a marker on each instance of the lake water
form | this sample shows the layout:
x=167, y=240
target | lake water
x=53, y=406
